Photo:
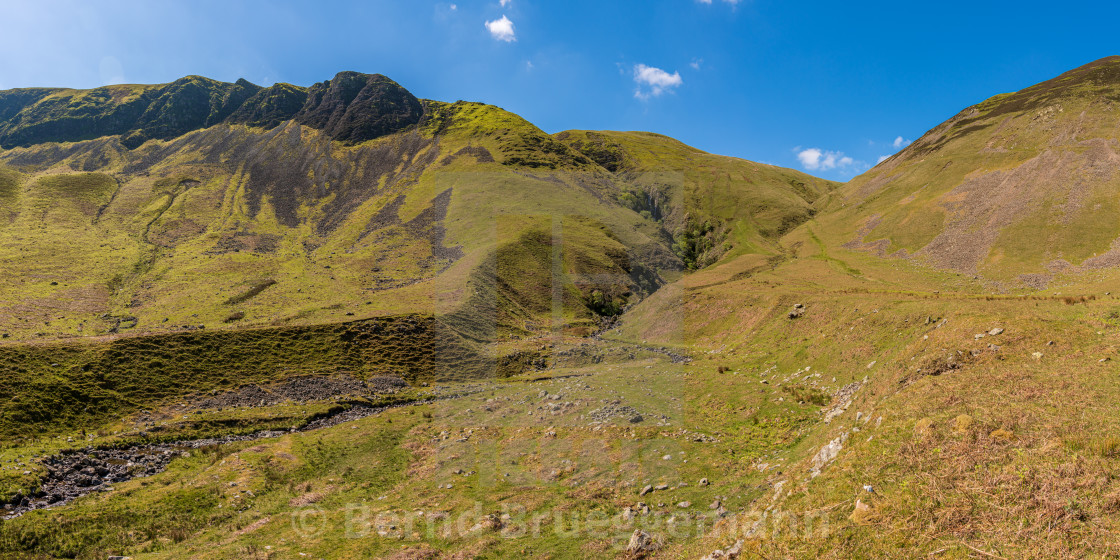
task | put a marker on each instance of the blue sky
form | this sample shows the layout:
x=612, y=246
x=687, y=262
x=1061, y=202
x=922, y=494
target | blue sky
x=826, y=87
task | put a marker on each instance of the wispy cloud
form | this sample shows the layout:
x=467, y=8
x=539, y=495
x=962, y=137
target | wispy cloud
x=882, y=159
x=652, y=81
x=505, y=3
x=732, y=2
x=501, y=29
x=816, y=159
x=900, y=143
x=696, y=62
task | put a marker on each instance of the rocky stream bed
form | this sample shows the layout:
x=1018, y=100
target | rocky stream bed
x=78, y=472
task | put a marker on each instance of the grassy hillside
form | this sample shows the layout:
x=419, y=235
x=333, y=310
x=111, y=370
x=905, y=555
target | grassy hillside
x=970, y=441
x=233, y=226
x=167, y=241
x=1019, y=190
x=843, y=399
x=713, y=206
x=967, y=412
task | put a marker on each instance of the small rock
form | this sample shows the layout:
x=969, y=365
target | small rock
x=640, y=541
x=731, y=553
x=996, y=331
x=646, y=490
x=704, y=482
x=685, y=504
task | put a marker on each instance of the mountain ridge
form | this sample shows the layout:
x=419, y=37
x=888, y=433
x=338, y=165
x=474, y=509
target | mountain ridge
x=351, y=107
x=361, y=191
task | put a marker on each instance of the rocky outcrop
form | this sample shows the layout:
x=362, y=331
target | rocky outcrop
x=355, y=107
x=352, y=107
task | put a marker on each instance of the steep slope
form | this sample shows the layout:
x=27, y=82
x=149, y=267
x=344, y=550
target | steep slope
x=363, y=201
x=1017, y=190
x=949, y=419
x=714, y=206
x=303, y=214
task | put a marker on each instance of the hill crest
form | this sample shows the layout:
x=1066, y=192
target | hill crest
x=1017, y=190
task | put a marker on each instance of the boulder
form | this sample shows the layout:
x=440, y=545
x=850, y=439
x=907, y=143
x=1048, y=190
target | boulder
x=730, y=553
x=640, y=542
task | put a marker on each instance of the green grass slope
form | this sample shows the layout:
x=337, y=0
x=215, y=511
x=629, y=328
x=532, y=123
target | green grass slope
x=232, y=226
x=842, y=401
x=713, y=206
x=265, y=245
x=1019, y=190
x=980, y=369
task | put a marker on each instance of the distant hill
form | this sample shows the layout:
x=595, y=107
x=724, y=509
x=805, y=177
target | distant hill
x=1014, y=190
x=159, y=208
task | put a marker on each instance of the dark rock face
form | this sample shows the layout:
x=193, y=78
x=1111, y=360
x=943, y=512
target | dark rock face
x=63, y=115
x=355, y=107
x=270, y=106
x=352, y=107
x=188, y=104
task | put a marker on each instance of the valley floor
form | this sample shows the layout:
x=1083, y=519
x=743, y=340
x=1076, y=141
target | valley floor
x=875, y=424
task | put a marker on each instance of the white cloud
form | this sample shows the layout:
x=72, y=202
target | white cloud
x=654, y=81
x=454, y=7
x=816, y=159
x=505, y=3
x=882, y=159
x=732, y=2
x=696, y=62
x=501, y=29
x=900, y=143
